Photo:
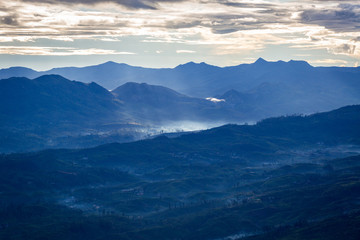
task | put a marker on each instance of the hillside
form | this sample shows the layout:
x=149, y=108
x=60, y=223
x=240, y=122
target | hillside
x=52, y=98
x=161, y=105
x=279, y=178
x=52, y=111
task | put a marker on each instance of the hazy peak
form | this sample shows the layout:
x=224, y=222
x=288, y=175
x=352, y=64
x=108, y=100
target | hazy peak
x=110, y=63
x=134, y=84
x=17, y=68
x=260, y=61
x=51, y=77
x=192, y=64
x=300, y=63
x=134, y=87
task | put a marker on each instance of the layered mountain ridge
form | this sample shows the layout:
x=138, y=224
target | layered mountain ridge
x=304, y=88
x=146, y=100
x=51, y=107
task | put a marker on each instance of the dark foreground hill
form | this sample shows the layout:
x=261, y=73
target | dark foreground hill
x=283, y=178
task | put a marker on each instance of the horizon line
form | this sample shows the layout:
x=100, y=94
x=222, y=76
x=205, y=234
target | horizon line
x=260, y=59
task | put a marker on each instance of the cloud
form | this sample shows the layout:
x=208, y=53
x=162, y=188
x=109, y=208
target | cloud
x=57, y=51
x=215, y=100
x=109, y=39
x=222, y=27
x=344, y=17
x=346, y=49
x=185, y=51
x=357, y=39
x=228, y=22
x=183, y=23
x=328, y=61
x=9, y=20
x=247, y=4
x=132, y=4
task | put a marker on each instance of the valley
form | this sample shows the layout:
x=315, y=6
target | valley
x=231, y=182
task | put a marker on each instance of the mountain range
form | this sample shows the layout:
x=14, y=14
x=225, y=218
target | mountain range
x=123, y=153
x=52, y=111
x=48, y=109
x=293, y=176
x=267, y=88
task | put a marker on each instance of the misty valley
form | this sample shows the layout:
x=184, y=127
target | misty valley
x=268, y=150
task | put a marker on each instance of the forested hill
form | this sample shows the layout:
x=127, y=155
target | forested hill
x=274, y=180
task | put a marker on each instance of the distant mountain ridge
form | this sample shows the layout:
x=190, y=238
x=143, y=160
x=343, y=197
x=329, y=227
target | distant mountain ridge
x=201, y=79
x=267, y=88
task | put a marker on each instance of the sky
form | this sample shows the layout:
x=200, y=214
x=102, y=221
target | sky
x=43, y=34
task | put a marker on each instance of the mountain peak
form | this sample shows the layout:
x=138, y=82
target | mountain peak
x=145, y=93
x=141, y=88
x=134, y=85
x=187, y=64
x=193, y=64
x=18, y=68
x=110, y=63
x=52, y=77
x=300, y=63
x=260, y=61
x=17, y=72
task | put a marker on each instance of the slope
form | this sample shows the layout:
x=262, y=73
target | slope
x=283, y=177
x=161, y=105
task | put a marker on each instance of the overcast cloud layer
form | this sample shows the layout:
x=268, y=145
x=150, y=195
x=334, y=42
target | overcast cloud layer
x=168, y=32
